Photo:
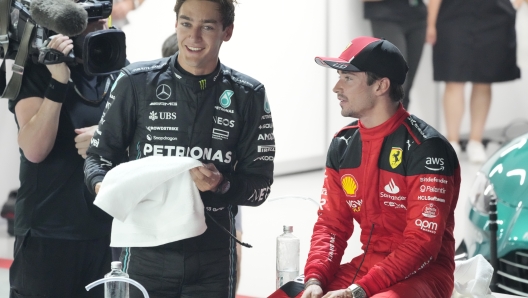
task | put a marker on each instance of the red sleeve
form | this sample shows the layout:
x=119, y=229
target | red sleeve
x=333, y=228
x=433, y=183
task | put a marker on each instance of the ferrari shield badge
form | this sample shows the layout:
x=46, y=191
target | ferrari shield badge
x=395, y=157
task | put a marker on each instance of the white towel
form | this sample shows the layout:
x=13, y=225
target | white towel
x=153, y=200
x=472, y=278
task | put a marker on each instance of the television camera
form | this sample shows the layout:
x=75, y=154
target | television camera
x=32, y=23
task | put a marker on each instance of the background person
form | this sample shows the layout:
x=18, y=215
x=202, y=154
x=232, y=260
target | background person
x=406, y=214
x=188, y=105
x=62, y=239
x=403, y=23
x=120, y=10
x=473, y=41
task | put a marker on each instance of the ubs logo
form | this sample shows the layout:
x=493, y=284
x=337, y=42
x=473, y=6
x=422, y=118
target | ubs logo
x=163, y=92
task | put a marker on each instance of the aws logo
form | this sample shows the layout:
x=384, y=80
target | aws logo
x=349, y=184
x=434, y=163
x=395, y=157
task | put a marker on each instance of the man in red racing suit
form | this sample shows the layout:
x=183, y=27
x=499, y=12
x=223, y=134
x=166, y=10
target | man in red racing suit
x=392, y=173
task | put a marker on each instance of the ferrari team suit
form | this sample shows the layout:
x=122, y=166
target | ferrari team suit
x=158, y=109
x=400, y=182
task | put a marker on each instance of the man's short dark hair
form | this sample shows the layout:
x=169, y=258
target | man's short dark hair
x=226, y=8
x=170, y=46
x=395, y=91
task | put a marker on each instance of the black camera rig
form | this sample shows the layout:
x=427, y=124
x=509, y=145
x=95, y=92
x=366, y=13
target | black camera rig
x=23, y=39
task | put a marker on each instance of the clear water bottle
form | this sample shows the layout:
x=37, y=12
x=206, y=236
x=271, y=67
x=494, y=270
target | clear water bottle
x=288, y=246
x=116, y=289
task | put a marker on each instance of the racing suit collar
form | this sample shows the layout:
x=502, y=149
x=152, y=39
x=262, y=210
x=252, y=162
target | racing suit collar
x=196, y=83
x=386, y=128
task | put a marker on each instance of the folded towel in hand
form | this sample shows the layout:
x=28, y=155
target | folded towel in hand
x=153, y=200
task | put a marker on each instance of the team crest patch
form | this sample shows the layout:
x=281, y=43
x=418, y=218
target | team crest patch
x=395, y=157
x=225, y=99
x=349, y=184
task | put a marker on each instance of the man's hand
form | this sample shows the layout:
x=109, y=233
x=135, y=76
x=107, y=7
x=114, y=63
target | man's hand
x=344, y=293
x=83, y=138
x=60, y=71
x=430, y=35
x=121, y=8
x=97, y=187
x=517, y=3
x=313, y=291
x=206, y=177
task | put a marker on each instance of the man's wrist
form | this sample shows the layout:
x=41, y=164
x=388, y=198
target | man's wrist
x=56, y=91
x=312, y=281
x=224, y=186
x=357, y=291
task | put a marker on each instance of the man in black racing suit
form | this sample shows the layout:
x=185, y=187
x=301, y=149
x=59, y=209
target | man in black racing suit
x=214, y=114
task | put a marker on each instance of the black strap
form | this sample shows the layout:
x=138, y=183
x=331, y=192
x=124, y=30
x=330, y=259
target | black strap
x=5, y=8
x=13, y=87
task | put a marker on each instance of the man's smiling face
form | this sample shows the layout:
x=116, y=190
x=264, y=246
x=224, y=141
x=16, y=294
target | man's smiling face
x=200, y=34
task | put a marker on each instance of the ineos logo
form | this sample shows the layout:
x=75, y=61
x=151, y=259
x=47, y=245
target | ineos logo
x=163, y=92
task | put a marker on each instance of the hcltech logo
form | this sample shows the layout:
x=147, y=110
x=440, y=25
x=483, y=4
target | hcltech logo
x=225, y=99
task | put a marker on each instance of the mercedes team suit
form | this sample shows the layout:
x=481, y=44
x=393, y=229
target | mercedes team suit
x=224, y=118
x=400, y=182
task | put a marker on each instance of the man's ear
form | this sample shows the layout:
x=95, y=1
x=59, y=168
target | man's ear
x=382, y=86
x=228, y=32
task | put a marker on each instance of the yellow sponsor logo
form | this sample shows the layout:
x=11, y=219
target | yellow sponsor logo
x=395, y=157
x=350, y=185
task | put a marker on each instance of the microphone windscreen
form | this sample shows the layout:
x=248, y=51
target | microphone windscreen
x=62, y=16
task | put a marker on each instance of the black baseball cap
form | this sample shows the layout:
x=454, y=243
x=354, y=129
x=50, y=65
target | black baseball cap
x=375, y=55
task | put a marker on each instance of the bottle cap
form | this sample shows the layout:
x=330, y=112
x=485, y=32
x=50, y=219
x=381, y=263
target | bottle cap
x=116, y=265
x=288, y=229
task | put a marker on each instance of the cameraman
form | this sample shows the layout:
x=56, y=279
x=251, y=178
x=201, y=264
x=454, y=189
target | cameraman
x=62, y=239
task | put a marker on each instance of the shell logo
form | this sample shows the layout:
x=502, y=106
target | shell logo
x=349, y=184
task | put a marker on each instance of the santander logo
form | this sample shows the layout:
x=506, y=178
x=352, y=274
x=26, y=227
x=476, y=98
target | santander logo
x=392, y=187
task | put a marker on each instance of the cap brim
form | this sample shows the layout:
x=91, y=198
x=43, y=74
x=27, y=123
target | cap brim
x=336, y=63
